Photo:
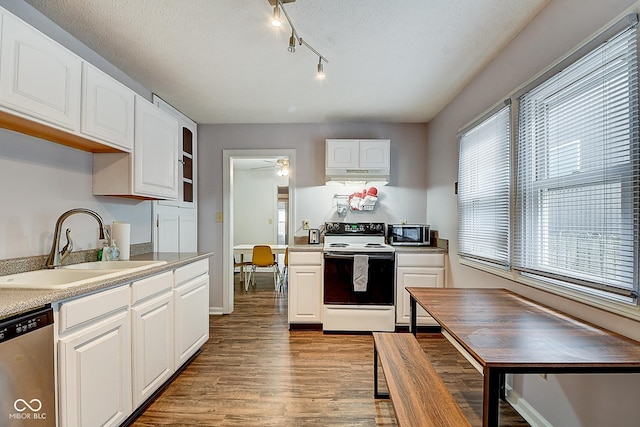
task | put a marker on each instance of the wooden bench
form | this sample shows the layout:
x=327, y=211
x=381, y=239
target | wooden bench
x=418, y=395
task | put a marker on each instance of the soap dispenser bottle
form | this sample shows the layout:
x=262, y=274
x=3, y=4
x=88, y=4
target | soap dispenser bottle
x=115, y=251
x=104, y=254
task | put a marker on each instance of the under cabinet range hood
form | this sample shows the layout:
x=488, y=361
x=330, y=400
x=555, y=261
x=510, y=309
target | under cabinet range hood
x=357, y=162
x=365, y=177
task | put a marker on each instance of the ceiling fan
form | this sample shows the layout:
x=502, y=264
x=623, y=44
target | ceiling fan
x=281, y=165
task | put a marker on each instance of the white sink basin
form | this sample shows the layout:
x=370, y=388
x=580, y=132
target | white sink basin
x=114, y=265
x=52, y=279
x=74, y=275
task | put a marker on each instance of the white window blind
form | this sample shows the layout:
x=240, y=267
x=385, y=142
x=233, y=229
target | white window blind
x=483, y=189
x=577, y=182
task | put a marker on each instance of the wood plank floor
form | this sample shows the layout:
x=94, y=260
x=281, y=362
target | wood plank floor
x=254, y=372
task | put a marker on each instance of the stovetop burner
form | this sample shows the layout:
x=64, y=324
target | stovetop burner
x=338, y=245
x=374, y=245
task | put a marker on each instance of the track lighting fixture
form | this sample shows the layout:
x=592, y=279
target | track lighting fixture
x=279, y=4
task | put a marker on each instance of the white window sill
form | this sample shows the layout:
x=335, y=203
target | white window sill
x=621, y=308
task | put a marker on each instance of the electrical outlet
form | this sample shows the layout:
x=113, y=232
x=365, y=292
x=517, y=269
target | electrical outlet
x=218, y=216
x=305, y=224
x=404, y=221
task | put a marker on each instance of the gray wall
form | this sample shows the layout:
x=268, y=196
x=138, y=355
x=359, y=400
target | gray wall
x=557, y=30
x=403, y=198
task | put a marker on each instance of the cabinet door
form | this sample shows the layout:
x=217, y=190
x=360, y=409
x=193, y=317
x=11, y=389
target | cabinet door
x=153, y=353
x=168, y=232
x=374, y=153
x=188, y=231
x=342, y=153
x=419, y=277
x=305, y=293
x=155, y=152
x=38, y=77
x=177, y=231
x=187, y=155
x=107, y=108
x=191, y=318
x=95, y=373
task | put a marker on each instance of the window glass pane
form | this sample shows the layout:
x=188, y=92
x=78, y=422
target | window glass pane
x=577, y=172
x=483, y=190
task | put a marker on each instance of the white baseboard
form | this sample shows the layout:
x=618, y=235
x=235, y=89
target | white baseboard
x=215, y=311
x=525, y=410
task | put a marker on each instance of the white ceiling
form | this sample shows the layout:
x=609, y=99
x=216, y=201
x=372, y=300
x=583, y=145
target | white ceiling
x=221, y=61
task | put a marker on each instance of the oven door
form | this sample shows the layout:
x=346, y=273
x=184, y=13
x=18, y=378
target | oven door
x=338, y=279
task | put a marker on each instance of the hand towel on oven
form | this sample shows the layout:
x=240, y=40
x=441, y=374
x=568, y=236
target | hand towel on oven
x=360, y=273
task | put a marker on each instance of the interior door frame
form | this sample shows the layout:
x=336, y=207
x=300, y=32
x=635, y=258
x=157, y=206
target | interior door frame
x=227, y=237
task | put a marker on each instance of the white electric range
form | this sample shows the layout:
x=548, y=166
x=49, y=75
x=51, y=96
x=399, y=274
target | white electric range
x=359, y=278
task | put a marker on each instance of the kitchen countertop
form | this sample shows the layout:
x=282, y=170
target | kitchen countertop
x=399, y=249
x=15, y=301
x=420, y=250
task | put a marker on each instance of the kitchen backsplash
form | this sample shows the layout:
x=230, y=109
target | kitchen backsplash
x=19, y=265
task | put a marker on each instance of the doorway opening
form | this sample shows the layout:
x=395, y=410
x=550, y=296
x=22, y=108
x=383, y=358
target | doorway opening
x=252, y=178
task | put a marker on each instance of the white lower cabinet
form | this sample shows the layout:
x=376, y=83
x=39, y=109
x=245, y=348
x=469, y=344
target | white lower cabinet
x=305, y=287
x=116, y=347
x=420, y=271
x=152, y=334
x=191, y=297
x=94, y=359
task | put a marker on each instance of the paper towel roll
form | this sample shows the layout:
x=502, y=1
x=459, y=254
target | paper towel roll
x=121, y=233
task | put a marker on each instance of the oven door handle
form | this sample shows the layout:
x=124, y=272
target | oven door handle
x=350, y=255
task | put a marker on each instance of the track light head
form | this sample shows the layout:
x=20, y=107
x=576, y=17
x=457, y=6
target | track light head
x=320, y=74
x=276, y=16
x=292, y=43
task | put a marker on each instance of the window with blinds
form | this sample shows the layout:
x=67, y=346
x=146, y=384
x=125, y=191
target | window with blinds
x=483, y=189
x=577, y=173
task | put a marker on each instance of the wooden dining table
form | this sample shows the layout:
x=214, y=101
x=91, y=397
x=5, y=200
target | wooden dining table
x=507, y=333
x=247, y=249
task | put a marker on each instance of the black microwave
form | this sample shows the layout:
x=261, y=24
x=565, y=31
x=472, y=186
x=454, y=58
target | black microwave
x=408, y=235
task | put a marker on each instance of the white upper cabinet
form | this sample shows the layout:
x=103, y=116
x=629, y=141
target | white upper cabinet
x=151, y=171
x=357, y=153
x=155, y=151
x=39, y=77
x=107, y=109
x=374, y=153
x=187, y=156
x=342, y=153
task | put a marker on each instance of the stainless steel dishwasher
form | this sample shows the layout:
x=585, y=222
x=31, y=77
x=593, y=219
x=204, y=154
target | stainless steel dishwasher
x=27, y=386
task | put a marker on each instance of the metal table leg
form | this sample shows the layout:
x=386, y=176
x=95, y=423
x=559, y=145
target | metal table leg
x=414, y=316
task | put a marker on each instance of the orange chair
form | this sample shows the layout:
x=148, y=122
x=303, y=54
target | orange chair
x=245, y=269
x=263, y=257
x=285, y=268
